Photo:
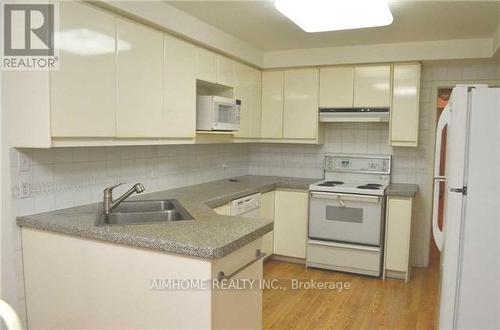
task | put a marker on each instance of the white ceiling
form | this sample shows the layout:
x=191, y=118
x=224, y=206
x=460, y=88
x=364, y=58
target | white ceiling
x=261, y=25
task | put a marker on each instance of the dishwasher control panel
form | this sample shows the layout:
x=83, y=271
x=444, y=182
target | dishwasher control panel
x=245, y=204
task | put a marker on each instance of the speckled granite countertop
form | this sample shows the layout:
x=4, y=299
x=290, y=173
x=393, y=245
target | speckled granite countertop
x=401, y=189
x=211, y=235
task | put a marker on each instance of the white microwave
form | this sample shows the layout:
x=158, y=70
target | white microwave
x=217, y=113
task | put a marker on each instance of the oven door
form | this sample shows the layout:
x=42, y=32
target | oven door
x=345, y=218
x=225, y=116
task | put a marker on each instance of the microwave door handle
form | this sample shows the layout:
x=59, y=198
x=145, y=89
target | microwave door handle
x=437, y=233
x=345, y=197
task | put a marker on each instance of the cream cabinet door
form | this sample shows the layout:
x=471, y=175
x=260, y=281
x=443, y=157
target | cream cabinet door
x=399, y=210
x=290, y=223
x=272, y=104
x=372, y=86
x=82, y=91
x=234, y=308
x=336, y=87
x=225, y=71
x=247, y=90
x=179, y=96
x=255, y=101
x=300, y=119
x=223, y=209
x=267, y=212
x=206, y=65
x=139, y=80
x=405, y=105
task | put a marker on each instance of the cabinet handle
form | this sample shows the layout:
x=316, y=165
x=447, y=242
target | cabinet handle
x=258, y=255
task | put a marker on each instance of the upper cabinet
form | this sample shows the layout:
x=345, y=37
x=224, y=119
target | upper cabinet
x=122, y=82
x=82, y=91
x=405, y=105
x=372, y=86
x=179, y=89
x=206, y=65
x=355, y=86
x=215, y=68
x=272, y=104
x=300, y=116
x=290, y=106
x=139, y=80
x=247, y=89
x=225, y=71
x=336, y=87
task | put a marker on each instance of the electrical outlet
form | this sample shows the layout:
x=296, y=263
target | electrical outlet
x=23, y=162
x=24, y=190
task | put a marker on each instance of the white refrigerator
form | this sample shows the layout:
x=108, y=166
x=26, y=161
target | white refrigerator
x=469, y=240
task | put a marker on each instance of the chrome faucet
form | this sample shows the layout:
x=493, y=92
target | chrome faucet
x=108, y=202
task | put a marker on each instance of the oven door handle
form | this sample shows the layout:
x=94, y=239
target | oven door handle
x=346, y=197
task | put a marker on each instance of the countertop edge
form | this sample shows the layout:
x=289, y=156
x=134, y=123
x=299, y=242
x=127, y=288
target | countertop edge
x=402, y=190
x=148, y=243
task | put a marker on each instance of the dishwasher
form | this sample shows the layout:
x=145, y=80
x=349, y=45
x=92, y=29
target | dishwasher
x=249, y=207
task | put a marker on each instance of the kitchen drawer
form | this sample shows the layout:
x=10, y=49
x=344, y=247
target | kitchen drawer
x=347, y=258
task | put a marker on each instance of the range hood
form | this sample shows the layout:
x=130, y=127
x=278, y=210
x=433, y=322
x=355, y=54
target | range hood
x=329, y=115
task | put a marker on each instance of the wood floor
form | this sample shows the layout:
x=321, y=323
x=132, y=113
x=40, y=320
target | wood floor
x=369, y=303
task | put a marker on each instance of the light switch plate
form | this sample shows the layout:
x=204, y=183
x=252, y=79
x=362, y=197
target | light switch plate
x=23, y=162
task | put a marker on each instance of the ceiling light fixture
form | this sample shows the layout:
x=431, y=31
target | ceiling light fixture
x=333, y=15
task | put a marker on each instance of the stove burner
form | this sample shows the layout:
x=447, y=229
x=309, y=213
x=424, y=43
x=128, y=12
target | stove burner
x=374, y=184
x=373, y=187
x=330, y=183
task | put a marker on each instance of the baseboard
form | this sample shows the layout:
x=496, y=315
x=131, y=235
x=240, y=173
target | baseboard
x=288, y=259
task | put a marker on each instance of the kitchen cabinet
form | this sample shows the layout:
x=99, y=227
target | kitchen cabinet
x=397, y=237
x=267, y=212
x=206, y=65
x=139, y=80
x=223, y=209
x=247, y=89
x=272, y=104
x=372, y=86
x=300, y=118
x=82, y=91
x=290, y=223
x=235, y=308
x=95, y=297
x=214, y=68
x=225, y=71
x=405, y=105
x=336, y=87
x=179, y=88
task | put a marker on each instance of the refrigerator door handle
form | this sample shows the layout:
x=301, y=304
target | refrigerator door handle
x=442, y=123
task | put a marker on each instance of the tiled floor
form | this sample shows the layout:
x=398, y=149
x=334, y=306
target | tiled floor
x=370, y=303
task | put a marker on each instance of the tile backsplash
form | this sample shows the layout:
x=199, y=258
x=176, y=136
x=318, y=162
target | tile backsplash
x=64, y=177
x=307, y=160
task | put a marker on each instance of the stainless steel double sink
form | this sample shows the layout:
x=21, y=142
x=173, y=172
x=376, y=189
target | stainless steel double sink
x=145, y=211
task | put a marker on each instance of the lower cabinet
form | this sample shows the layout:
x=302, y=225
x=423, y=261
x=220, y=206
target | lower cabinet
x=100, y=285
x=267, y=212
x=223, y=209
x=238, y=308
x=289, y=210
x=397, y=241
x=290, y=223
